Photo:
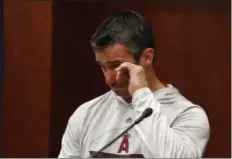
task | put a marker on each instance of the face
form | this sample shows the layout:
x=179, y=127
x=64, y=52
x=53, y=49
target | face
x=109, y=59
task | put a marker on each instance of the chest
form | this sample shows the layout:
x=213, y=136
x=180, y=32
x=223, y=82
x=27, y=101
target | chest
x=105, y=129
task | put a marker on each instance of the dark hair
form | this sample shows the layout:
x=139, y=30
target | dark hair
x=126, y=27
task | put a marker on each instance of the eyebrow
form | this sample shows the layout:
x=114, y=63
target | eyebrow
x=98, y=62
x=111, y=62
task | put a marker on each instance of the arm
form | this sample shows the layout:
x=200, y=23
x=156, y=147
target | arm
x=70, y=142
x=187, y=137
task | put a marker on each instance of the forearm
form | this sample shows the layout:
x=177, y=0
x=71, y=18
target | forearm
x=70, y=147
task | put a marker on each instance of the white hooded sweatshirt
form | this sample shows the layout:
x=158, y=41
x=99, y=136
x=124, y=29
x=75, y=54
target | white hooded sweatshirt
x=177, y=128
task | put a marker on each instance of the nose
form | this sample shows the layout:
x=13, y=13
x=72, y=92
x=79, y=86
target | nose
x=110, y=77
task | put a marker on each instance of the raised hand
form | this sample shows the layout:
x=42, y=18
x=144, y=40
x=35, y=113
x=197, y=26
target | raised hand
x=137, y=75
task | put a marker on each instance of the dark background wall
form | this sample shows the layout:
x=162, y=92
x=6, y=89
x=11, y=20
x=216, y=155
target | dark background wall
x=49, y=67
x=76, y=78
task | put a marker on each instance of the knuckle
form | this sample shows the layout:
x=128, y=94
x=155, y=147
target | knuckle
x=140, y=68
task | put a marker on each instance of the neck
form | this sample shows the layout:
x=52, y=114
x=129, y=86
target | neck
x=153, y=82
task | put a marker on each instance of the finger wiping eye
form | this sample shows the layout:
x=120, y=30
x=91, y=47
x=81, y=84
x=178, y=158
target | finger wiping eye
x=118, y=68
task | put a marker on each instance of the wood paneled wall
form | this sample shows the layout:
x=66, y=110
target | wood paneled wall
x=26, y=79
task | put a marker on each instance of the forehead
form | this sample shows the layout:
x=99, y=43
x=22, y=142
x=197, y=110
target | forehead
x=116, y=51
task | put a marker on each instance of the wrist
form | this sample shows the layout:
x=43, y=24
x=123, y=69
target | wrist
x=139, y=90
x=140, y=94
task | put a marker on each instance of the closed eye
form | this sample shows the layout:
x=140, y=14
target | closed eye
x=110, y=65
x=114, y=65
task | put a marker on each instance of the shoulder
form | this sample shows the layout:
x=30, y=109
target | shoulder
x=188, y=108
x=83, y=110
x=185, y=106
x=76, y=121
x=190, y=114
x=178, y=108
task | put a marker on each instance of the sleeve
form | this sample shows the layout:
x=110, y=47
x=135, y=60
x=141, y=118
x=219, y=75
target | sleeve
x=187, y=137
x=70, y=146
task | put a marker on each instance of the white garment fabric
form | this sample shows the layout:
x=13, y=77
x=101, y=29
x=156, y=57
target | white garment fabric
x=177, y=128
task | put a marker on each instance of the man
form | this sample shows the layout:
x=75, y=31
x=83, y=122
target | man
x=125, y=50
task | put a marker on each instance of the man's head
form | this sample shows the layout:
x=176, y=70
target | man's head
x=122, y=37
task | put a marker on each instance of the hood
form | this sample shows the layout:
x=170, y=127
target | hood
x=168, y=95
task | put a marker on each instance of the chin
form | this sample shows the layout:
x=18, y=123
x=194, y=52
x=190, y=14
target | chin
x=124, y=94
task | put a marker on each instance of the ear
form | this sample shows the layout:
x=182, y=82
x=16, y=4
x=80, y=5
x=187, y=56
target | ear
x=146, y=57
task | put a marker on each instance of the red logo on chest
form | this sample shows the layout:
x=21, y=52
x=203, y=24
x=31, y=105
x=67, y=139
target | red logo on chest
x=124, y=145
